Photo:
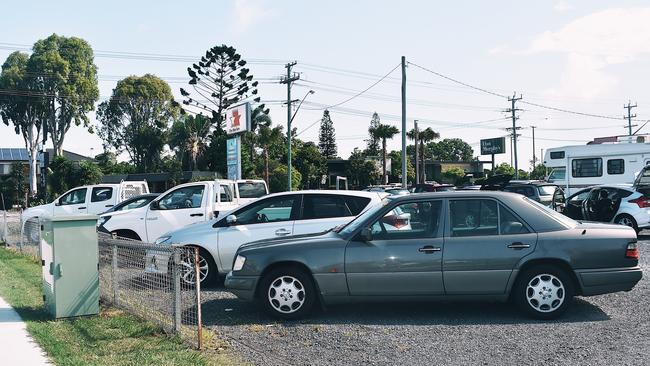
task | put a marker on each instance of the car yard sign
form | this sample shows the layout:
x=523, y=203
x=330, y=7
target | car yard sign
x=493, y=146
x=238, y=119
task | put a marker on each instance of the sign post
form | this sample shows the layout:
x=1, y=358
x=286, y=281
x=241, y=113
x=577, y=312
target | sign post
x=238, y=121
x=493, y=146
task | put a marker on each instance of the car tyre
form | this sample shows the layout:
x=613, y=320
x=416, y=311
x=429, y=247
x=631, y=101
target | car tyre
x=544, y=292
x=206, y=263
x=287, y=293
x=627, y=220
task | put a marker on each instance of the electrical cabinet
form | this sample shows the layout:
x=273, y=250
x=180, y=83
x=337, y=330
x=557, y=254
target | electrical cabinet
x=69, y=255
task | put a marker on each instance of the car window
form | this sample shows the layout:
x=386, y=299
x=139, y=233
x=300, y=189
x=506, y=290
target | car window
x=225, y=193
x=75, y=197
x=527, y=191
x=355, y=204
x=100, y=194
x=269, y=210
x=473, y=217
x=622, y=193
x=320, y=206
x=581, y=196
x=509, y=224
x=137, y=203
x=409, y=221
x=186, y=197
x=557, y=174
x=546, y=190
x=251, y=189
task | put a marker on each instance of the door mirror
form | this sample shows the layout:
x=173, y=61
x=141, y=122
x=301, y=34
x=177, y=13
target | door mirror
x=155, y=205
x=231, y=219
x=57, y=202
x=365, y=234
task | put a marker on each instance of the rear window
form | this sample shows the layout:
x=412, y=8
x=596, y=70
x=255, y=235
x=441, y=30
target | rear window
x=251, y=189
x=100, y=194
x=546, y=190
x=527, y=191
x=324, y=206
x=356, y=205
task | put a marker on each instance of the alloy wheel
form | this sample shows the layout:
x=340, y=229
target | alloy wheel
x=286, y=294
x=188, y=272
x=545, y=293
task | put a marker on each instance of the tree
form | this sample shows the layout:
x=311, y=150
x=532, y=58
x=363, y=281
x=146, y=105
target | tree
x=65, y=174
x=504, y=169
x=268, y=137
x=454, y=175
x=17, y=182
x=539, y=172
x=327, y=137
x=360, y=170
x=25, y=113
x=108, y=164
x=136, y=119
x=188, y=137
x=310, y=163
x=372, y=148
x=384, y=132
x=424, y=137
x=278, y=179
x=451, y=150
x=396, y=166
x=65, y=70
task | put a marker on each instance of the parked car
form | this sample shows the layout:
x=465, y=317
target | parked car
x=277, y=215
x=92, y=199
x=486, y=245
x=134, y=202
x=179, y=206
x=537, y=190
x=432, y=187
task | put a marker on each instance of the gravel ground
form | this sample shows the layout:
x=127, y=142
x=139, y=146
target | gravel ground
x=610, y=329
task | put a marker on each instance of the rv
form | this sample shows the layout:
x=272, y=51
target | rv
x=595, y=164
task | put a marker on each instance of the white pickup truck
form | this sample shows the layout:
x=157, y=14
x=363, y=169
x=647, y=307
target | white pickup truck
x=180, y=206
x=93, y=199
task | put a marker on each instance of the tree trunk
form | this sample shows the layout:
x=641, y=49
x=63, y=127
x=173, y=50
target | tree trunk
x=423, y=166
x=31, y=144
x=383, y=152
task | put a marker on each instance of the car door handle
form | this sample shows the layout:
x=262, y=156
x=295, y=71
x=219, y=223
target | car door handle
x=196, y=215
x=429, y=249
x=81, y=208
x=109, y=205
x=282, y=232
x=518, y=245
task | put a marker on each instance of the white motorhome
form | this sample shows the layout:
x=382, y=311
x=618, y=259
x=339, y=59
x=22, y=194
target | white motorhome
x=580, y=166
x=181, y=205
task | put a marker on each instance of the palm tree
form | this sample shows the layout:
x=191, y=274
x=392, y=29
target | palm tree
x=424, y=136
x=259, y=117
x=383, y=132
x=190, y=137
x=267, y=136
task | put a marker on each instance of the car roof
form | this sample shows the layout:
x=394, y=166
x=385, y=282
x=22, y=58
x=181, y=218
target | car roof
x=333, y=192
x=456, y=194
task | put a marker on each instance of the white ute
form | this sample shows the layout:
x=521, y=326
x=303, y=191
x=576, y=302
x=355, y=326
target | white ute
x=93, y=199
x=180, y=206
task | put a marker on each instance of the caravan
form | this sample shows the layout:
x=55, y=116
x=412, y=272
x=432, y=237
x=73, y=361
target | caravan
x=580, y=166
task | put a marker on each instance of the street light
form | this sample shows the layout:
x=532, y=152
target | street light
x=289, y=136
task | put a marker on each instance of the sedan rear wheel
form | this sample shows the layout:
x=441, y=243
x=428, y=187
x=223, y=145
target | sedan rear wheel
x=287, y=293
x=627, y=220
x=544, y=292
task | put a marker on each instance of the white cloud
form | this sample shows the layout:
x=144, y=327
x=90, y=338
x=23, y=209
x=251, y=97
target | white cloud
x=592, y=43
x=249, y=12
x=562, y=6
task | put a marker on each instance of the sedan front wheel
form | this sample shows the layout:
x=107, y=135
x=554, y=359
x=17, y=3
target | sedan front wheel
x=544, y=292
x=287, y=293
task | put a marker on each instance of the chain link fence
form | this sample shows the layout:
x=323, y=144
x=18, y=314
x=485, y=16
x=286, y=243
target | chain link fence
x=155, y=282
x=23, y=238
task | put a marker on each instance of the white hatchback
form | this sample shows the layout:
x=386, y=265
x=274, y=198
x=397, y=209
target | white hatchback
x=274, y=216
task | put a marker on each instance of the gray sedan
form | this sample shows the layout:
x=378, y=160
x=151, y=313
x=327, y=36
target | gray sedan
x=446, y=245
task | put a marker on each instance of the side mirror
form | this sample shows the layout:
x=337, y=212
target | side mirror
x=365, y=234
x=155, y=205
x=57, y=202
x=231, y=219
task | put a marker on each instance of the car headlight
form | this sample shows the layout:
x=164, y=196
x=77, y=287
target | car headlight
x=239, y=263
x=162, y=239
x=102, y=220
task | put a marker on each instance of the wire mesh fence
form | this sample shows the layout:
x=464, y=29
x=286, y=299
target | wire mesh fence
x=155, y=282
x=10, y=227
x=25, y=237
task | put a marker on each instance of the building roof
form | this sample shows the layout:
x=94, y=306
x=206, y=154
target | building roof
x=20, y=154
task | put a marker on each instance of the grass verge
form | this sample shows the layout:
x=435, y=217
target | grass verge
x=112, y=338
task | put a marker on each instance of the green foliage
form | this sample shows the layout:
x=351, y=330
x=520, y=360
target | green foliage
x=16, y=185
x=373, y=148
x=450, y=150
x=108, y=164
x=453, y=175
x=504, y=168
x=173, y=166
x=88, y=173
x=188, y=137
x=539, y=172
x=311, y=164
x=360, y=171
x=327, y=137
x=267, y=138
x=396, y=166
x=523, y=174
x=383, y=132
x=136, y=119
x=66, y=175
x=278, y=179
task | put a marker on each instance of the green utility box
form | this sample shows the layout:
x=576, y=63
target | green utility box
x=69, y=254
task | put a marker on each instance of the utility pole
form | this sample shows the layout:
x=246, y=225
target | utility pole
x=514, y=110
x=417, y=165
x=629, y=116
x=289, y=79
x=534, y=158
x=404, y=122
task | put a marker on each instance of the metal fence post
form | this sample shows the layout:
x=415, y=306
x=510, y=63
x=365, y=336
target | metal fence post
x=4, y=226
x=114, y=281
x=177, y=290
x=197, y=286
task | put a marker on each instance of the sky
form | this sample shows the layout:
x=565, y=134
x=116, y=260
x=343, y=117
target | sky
x=580, y=56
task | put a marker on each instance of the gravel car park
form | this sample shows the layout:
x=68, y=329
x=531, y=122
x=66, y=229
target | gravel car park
x=611, y=329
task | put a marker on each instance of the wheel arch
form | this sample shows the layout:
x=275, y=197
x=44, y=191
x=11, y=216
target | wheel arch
x=127, y=233
x=557, y=262
x=294, y=264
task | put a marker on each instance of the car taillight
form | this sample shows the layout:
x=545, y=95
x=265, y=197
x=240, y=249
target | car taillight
x=642, y=202
x=632, y=251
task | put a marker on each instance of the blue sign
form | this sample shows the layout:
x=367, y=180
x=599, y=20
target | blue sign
x=233, y=157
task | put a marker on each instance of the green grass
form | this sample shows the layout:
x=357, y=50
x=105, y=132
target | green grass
x=112, y=338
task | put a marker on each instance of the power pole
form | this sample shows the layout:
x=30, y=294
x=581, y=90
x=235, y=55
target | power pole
x=404, y=122
x=514, y=110
x=417, y=165
x=629, y=116
x=289, y=79
x=534, y=158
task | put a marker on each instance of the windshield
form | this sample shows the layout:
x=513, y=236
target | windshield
x=359, y=220
x=564, y=220
x=557, y=174
x=546, y=190
x=251, y=189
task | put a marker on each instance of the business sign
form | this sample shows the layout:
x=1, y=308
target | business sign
x=493, y=146
x=238, y=119
x=233, y=157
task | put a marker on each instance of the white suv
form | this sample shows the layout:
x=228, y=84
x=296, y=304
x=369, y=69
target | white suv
x=274, y=216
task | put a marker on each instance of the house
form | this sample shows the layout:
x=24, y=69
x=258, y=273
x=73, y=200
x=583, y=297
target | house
x=8, y=156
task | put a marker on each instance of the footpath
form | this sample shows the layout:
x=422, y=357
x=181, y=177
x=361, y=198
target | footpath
x=16, y=345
